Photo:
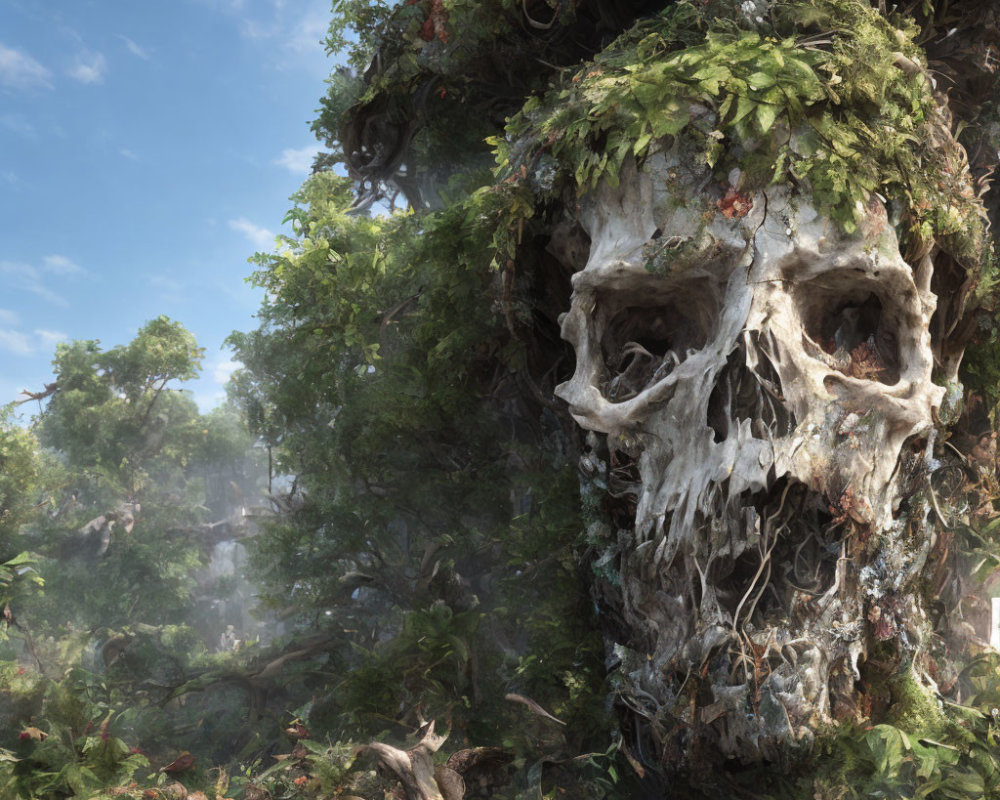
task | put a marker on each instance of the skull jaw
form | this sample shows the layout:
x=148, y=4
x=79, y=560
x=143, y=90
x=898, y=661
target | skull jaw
x=755, y=635
x=761, y=445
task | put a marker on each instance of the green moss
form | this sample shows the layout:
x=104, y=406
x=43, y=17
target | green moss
x=915, y=709
x=674, y=255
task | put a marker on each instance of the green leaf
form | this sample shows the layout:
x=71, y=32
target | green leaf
x=648, y=94
x=886, y=746
x=670, y=119
x=963, y=785
x=725, y=105
x=21, y=558
x=743, y=107
x=709, y=77
x=761, y=80
x=641, y=143
x=766, y=115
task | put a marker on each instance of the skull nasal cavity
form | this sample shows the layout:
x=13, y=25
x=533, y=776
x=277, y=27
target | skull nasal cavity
x=642, y=345
x=742, y=395
x=853, y=332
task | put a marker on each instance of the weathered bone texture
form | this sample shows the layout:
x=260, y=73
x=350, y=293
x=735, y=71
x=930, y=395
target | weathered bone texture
x=763, y=384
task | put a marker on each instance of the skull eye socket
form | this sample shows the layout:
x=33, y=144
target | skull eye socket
x=646, y=337
x=851, y=331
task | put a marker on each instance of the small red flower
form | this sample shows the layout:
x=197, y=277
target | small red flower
x=734, y=204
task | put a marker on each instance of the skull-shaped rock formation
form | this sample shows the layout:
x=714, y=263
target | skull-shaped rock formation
x=758, y=387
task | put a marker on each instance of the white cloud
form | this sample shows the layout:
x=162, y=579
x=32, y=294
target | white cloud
x=309, y=33
x=207, y=401
x=261, y=238
x=164, y=283
x=168, y=290
x=298, y=161
x=19, y=343
x=292, y=33
x=28, y=278
x=89, y=68
x=48, y=339
x=16, y=342
x=20, y=71
x=61, y=265
x=223, y=5
x=133, y=48
x=222, y=370
x=255, y=29
x=128, y=154
x=8, y=317
x=46, y=294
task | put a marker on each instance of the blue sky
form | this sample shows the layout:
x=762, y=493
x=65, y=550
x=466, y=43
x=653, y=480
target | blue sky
x=147, y=149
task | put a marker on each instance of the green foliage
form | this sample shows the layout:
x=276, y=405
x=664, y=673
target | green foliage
x=315, y=769
x=373, y=379
x=429, y=512
x=20, y=467
x=375, y=374
x=74, y=752
x=127, y=499
x=981, y=363
x=102, y=415
x=939, y=752
x=427, y=81
x=929, y=749
x=824, y=94
x=20, y=569
x=125, y=494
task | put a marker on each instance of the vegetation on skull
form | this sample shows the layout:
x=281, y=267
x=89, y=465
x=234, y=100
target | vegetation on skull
x=826, y=96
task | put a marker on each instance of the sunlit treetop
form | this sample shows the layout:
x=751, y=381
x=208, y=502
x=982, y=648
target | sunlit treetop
x=117, y=390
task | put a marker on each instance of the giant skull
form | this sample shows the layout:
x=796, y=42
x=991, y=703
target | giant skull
x=758, y=387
